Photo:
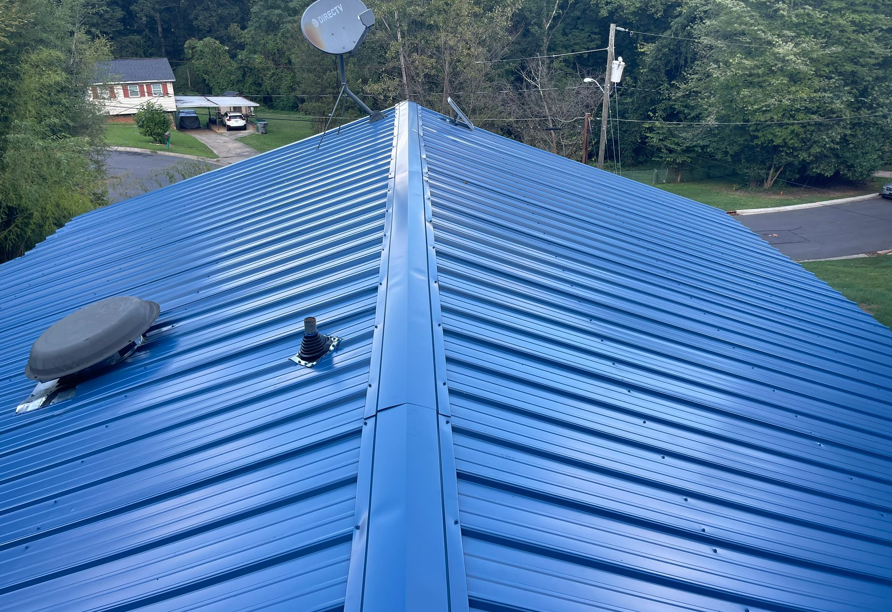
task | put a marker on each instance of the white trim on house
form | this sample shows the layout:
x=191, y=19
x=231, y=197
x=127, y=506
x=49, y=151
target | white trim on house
x=115, y=103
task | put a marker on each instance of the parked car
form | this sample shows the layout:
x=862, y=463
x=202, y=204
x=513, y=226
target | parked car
x=234, y=121
x=188, y=120
x=887, y=190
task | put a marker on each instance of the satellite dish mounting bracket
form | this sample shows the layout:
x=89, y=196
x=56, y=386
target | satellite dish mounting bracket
x=373, y=115
x=339, y=27
x=342, y=72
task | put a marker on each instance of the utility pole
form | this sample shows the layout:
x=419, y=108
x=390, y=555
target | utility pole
x=605, y=107
x=585, y=130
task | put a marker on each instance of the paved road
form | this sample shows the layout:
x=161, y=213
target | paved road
x=133, y=174
x=828, y=231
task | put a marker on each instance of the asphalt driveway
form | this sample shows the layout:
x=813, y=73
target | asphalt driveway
x=828, y=231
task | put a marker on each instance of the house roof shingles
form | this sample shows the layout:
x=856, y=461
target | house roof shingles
x=558, y=390
x=137, y=70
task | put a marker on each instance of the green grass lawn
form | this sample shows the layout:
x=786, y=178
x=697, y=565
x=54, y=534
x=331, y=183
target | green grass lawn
x=721, y=193
x=866, y=280
x=284, y=128
x=127, y=135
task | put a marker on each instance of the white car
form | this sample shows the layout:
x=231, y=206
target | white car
x=234, y=121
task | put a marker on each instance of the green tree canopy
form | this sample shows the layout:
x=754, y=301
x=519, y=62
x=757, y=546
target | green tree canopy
x=51, y=144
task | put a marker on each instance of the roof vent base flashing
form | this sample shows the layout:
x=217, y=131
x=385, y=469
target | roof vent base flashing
x=314, y=345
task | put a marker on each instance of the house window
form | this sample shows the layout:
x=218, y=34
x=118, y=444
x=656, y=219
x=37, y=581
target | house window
x=95, y=91
x=133, y=91
x=156, y=90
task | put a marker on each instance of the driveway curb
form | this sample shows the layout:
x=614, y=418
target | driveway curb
x=774, y=209
x=858, y=256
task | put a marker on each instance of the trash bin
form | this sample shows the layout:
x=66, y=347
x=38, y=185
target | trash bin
x=261, y=127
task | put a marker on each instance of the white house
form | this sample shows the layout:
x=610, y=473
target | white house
x=123, y=85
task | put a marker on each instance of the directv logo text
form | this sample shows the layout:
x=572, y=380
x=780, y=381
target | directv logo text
x=329, y=14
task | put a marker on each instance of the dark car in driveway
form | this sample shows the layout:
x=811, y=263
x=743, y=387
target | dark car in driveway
x=188, y=120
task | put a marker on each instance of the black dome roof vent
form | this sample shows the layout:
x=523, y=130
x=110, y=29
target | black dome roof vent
x=94, y=338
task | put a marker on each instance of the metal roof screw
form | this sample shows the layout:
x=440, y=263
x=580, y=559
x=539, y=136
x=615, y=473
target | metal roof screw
x=357, y=528
x=715, y=550
x=456, y=521
x=703, y=530
x=686, y=499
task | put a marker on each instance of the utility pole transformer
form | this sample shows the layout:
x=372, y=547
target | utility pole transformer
x=585, y=130
x=605, y=107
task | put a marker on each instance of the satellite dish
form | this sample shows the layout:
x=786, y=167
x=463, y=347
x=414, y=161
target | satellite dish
x=337, y=27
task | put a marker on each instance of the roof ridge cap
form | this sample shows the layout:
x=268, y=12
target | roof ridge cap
x=407, y=528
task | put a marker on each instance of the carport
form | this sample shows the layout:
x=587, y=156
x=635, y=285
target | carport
x=221, y=104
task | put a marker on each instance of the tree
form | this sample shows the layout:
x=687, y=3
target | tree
x=51, y=140
x=787, y=89
x=549, y=108
x=675, y=145
x=153, y=121
x=209, y=61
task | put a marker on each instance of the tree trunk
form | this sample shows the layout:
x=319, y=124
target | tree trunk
x=399, y=40
x=160, y=33
x=772, y=176
x=444, y=103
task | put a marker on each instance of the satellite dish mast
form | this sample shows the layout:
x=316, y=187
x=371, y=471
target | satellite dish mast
x=338, y=27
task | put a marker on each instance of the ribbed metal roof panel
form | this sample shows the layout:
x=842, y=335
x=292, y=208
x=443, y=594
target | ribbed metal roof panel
x=207, y=470
x=652, y=409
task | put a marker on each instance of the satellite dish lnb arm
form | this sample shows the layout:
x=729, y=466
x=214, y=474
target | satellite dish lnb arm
x=366, y=18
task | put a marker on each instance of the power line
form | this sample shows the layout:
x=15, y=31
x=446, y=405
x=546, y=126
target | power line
x=518, y=59
x=789, y=122
x=423, y=94
x=715, y=40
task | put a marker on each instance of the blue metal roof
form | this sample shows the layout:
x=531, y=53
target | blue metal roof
x=207, y=469
x=652, y=409
x=558, y=390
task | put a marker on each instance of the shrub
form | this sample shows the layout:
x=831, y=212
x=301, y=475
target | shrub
x=153, y=122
